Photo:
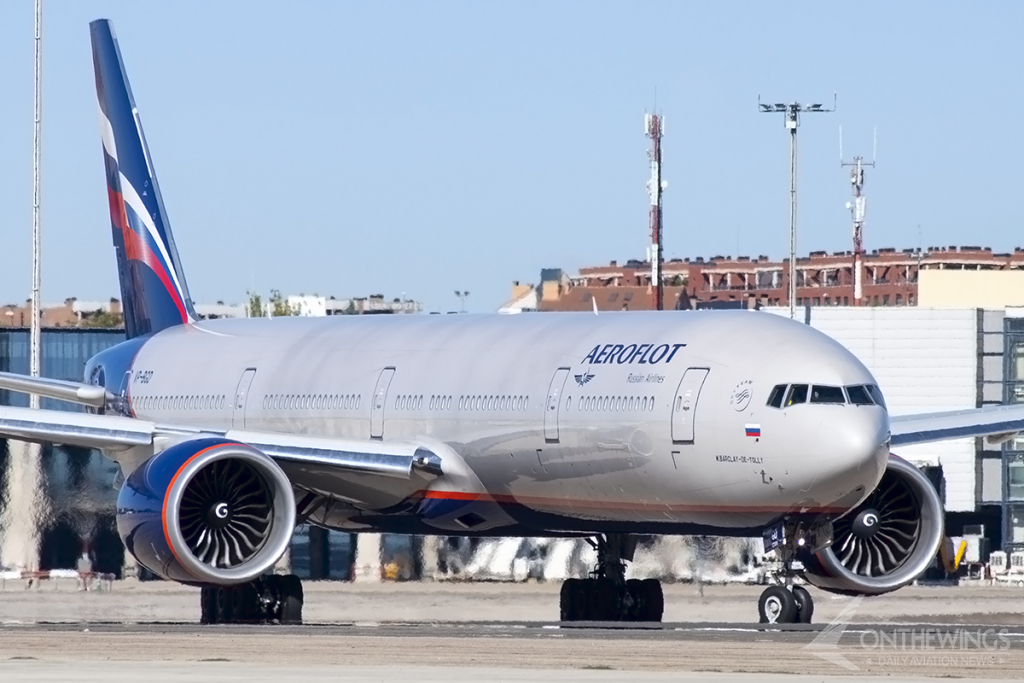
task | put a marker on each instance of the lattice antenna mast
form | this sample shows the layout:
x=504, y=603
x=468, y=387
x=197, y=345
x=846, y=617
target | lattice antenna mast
x=792, y=113
x=858, y=211
x=654, y=128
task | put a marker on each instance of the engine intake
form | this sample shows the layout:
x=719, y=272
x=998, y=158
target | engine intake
x=887, y=541
x=207, y=511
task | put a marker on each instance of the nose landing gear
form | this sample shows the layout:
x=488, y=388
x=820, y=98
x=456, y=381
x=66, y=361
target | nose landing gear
x=786, y=602
x=607, y=595
x=785, y=605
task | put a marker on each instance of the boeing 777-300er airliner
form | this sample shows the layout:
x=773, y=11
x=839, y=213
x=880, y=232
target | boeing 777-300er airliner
x=231, y=432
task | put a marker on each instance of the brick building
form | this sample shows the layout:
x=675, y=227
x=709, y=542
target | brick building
x=889, y=278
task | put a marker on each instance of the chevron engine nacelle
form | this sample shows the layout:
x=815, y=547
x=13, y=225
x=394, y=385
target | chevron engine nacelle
x=207, y=511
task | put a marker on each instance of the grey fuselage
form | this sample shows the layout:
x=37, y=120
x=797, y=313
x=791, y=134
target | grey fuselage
x=552, y=423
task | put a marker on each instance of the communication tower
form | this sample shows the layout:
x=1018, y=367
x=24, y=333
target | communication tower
x=792, y=121
x=654, y=128
x=858, y=209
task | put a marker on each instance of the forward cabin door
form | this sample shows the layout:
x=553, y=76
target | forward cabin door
x=551, y=408
x=380, y=397
x=684, y=407
x=242, y=398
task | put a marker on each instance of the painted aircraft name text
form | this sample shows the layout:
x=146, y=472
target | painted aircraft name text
x=625, y=354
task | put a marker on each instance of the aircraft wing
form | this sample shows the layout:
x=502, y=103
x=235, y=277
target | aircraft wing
x=114, y=433
x=75, y=392
x=999, y=423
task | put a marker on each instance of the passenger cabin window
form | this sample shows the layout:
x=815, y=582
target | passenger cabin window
x=775, y=398
x=859, y=396
x=823, y=394
x=797, y=394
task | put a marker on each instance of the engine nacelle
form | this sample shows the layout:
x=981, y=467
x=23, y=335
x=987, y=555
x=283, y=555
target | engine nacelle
x=887, y=541
x=207, y=511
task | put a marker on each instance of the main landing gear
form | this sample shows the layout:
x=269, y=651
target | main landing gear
x=607, y=595
x=266, y=600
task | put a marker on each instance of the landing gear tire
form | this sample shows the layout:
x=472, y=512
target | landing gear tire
x=777, y=606
x=607, y=595
x=804, y=605
x=655, y=600
x=266, y=600
x=603, y=600
x=290, y=592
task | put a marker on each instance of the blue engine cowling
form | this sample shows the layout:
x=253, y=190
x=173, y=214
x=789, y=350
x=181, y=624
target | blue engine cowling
x=207, y=511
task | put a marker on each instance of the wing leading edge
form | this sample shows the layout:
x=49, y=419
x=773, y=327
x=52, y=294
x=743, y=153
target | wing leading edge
x=114, y=434
x=999, y=423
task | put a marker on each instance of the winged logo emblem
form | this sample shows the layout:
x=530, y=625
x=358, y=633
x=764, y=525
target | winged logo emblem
x=583, y=378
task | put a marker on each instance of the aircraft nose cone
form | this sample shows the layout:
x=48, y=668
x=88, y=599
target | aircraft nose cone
x=855, y=446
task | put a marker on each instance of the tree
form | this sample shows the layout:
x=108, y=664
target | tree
x=255, y=306
x=279, y=305
x=101, y=318
x=276, y=305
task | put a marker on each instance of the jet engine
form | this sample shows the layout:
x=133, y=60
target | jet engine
x=207, y=511
x=887, y=541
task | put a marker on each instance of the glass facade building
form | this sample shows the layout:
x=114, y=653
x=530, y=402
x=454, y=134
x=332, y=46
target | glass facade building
x=1013, y=450
x=64, y=354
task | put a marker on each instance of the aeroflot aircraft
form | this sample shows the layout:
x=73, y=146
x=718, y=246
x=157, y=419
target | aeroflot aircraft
x=231, y=432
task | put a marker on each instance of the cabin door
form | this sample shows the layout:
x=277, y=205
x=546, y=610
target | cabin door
x=552, y=407
x=380, y=398
x=242, y=398
x=684, y=407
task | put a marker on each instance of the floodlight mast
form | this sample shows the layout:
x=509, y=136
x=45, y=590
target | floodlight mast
x=792, y=113
x=858, y=211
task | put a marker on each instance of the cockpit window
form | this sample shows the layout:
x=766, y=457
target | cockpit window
x=797, y=394
x=876, y=394
x=859, y=396
x=823, y=394
x=778, y=393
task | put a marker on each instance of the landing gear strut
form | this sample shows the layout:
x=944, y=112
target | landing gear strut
x=266, y=600
x=607, y=595
x=788, y=603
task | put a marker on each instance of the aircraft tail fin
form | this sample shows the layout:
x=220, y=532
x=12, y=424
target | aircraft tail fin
x=153, y=291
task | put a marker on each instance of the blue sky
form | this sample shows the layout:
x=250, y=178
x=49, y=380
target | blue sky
x=348, y=149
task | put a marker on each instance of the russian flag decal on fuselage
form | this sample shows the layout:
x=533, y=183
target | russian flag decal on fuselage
x=753, y=429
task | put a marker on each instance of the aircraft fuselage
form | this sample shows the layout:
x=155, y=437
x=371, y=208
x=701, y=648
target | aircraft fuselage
x=565, y=423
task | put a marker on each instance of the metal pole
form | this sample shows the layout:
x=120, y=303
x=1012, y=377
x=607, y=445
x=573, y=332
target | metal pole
x=792, y=223
x=34, y=361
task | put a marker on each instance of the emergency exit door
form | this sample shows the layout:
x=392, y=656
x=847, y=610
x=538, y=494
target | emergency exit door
x=241, y=398
x=553, y=404
x=684, y=407
x=380, y=398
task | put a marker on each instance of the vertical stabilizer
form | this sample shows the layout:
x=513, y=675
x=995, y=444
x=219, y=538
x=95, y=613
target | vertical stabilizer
x=153, y=291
